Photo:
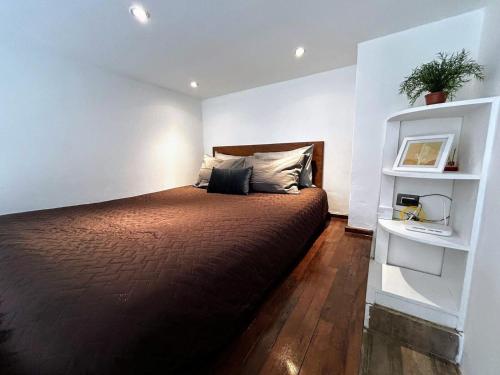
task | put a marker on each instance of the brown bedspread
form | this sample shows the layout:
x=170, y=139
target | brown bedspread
x=136, y=285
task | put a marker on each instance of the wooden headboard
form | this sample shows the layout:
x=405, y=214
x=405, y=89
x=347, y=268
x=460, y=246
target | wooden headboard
x=247, y=150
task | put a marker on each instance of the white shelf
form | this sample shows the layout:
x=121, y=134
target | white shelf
x=431, y=291
x=429, y=175
x=397, y=228
x=450, y=109
x=439, y=299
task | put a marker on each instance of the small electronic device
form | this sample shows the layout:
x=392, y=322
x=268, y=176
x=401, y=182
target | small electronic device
x=415, y=225
x=429, y=228
x=407, y=200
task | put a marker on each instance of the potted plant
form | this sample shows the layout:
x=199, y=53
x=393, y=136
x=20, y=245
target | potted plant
x=441, y=78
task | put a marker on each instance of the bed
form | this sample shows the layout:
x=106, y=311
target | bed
x=152, y=283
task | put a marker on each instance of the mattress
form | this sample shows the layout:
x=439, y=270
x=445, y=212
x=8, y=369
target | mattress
x=152, y=283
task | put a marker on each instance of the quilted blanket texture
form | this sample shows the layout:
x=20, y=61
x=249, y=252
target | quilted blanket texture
x=152, y=283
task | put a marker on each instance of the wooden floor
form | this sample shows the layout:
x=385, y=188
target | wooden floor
x=312, y=323
x=384, y=356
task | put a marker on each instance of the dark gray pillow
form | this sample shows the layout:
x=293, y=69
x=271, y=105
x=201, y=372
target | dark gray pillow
x=210, y=163
x=277, y=176
x=305, y=179
x=230, y=181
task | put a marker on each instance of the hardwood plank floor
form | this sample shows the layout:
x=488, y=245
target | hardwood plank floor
x=312, y=323
x=386, y=356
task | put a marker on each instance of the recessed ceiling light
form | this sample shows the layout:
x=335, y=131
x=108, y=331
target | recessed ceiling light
x=139, y=13
x=194, y=84
x=299, y=52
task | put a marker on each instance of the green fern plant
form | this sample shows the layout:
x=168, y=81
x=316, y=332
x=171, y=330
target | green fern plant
x=447, y=73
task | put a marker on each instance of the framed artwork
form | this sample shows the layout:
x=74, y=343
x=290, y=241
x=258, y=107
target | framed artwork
x=427, y=153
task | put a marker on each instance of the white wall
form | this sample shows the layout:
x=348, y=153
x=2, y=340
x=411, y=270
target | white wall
x=482, y=329
x=71, y=133
x=382, y=65
x=313, y=108
x=489, y=53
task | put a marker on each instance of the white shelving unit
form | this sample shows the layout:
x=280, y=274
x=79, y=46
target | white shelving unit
x=397, y=228
x=432, y=176
x=433, y=292
x=425, y=275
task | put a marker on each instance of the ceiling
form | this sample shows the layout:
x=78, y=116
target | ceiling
x=225, y=45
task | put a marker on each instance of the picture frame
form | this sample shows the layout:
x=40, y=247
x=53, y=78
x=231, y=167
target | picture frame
x=426, y=153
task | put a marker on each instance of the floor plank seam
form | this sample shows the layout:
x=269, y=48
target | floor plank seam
x=308, y=346
x=313, y=321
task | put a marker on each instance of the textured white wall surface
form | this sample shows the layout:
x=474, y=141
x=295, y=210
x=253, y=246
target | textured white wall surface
x=482, y=328
x=71, y=133
x=489, y=54
x=382, y=65
x=319, y=107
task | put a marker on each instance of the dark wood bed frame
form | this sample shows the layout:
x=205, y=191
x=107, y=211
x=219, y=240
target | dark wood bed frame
x=247, y=150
